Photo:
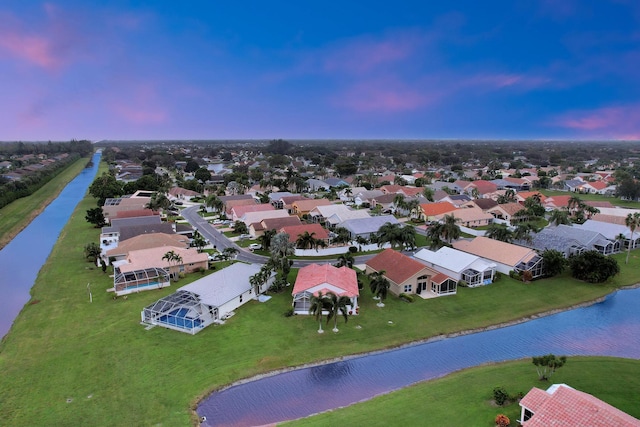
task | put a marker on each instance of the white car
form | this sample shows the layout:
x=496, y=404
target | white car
x=255, y=246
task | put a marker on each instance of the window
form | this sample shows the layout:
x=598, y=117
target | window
x=407, y=288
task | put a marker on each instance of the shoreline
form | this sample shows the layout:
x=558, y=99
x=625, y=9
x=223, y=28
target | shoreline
x=33, y=214
x=201, y=398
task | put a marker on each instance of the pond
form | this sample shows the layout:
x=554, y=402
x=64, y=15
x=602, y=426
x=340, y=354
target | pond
x=23, y=257
x=608, y=328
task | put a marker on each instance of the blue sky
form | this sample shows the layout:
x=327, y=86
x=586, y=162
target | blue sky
x=541, y=69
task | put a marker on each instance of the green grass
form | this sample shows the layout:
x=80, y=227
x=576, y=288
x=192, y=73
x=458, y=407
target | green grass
x=465, y=398
x=594, y=198
x=117, y=373
x=18, y=214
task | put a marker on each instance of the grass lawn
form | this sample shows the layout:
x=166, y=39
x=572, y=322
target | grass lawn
x=18, y=214
x=465, y=398
x=70, y=362
x=594, y=198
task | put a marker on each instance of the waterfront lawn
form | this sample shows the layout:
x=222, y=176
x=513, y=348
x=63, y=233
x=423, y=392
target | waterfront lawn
x=465, y=398
x=18, y=214
x=67, y=361
x=616, y=201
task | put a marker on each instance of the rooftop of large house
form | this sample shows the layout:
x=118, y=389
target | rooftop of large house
x=324, y=278
x=396, y=266
x=295, y=230
x=437, y=208
x=495, y=250
x=147, y=241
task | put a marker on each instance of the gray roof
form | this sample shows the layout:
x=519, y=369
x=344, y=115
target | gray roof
x=368, y=225
x=563, y=237
x=222, y=286
x=280, y=194
x=453, y=259
x=334, y=182
x=118, y=223
x=136, y=230
x=235, y=197
x=608, y=230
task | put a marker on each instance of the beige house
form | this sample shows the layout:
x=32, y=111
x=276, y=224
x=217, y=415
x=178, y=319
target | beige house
x=506, y=211
x=507, y=256
x=469, y=217
x=190, y=260
x=303, y=207
x=406, y=275
x=146, y=241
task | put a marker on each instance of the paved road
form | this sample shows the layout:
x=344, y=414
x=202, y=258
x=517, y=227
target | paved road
x=222, y=242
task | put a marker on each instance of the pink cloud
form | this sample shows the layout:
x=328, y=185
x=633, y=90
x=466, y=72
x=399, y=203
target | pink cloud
x=505, y=80
x=141, y=107
x=382, y=96
x=617, y=122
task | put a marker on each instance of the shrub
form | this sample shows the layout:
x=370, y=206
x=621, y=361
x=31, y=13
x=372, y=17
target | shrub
x=353, y=249
x=406, y=297
x=527, y=276
x=593, y=267
x=463, y=284
x=500, y=396
x=288, y=313
x=502, y=420
x=497, y=276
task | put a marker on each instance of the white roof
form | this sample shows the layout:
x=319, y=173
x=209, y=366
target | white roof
x=224, y=285
x=453, y=259
x=251, y=217
x=618, y=211
x=608, y=230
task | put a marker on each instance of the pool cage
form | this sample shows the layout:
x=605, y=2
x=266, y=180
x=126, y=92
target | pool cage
x=182, y=311
x=140, y=280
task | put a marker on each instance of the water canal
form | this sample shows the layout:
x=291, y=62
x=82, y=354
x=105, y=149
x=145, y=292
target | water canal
x=608, y=328
x=23, y=257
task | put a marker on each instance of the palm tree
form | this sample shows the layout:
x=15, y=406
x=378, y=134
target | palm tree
x=361, y=241
x=229, y=252
x=199, y=241
x=214, y=203
x=379, y=286
x=345, y=260
x=389, y=233
x=408, y=237
x=559, y=216
x=399, y=202
x=92, y=251
x=632, y=221
x=158, y=201
x=433, y=233
x=348, y=192
x=172, y=257
x=428, y=193
x=337, y=305
x=318, y=303
x=450, y=230
x=265, y=239
x=499, y=232
x=413, y=206
x=575, y=203
x=523, y=230
x=306, y=240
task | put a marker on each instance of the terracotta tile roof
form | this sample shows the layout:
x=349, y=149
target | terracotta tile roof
x=152, y=257
x=558, y=201
x=307, y=205
x=317, y=276
x=484, y=187
x=433, y=209
x=136, y=213
x=565, y=406
x=485, y=204
x=146, y=241
x=509, y=208
x=524, y=195
x=468, y=215
x=239, y=211
x=611, y=219
x=518, y=181
x=439, y=278
x=179, y=191
x=396, y=266
x=597, y=204
x=294, y=230
x=495, y=250
x=230, y=204
x=598, y=185
x=278, y=223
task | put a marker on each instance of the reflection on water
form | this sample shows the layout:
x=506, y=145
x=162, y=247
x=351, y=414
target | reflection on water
x=609, y=328
x=23, y=257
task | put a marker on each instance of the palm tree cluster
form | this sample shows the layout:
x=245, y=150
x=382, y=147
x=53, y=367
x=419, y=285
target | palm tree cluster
x=379, y=286
x=158, y=201
x=173, y=258
x=448, y=230
x=260, y=278
x=307, y=240
x=396, y=235
x=333, y=305
x=632, y=221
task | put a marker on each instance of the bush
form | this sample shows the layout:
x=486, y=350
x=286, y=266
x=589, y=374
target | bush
x=353, y=249
x=463, y=284
x=593, y=267
x=288, y=313
x=527, y=276
x=502, y=420
x=497, y=276
x=514, y=275
x=500, y=396
x=406, y=297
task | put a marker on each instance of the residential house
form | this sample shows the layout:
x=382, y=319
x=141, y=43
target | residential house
x=118, y=204
x=365, y=227
x=294, y=231
x=182, y=194
x=506, y=256
x=596, y=187
x=110, y=235
x=346, y=194
x=301, y=208
x=506, y=211
x=258, y=216
x=406, y=275
x=366, y=198
x=211, y=299
x=238, y=212
x=612, y=232
x=189, y=260
x=145, y=241
x=334, y=215
x=324, y=278
x=429, y=211
x=481, y=188
x=572, y=241
x=317, y=184
x=468, y=217
x=457, y=200
x=336, y=182
x=485, y=204
x=257, y=229
x=524, y=195
x=473, y=270
x=401, y=189
x=561, y=405
x=230, y=205
x=285, y=202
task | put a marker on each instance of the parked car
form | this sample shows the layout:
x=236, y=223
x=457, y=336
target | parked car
x=245, y=236
x=255, y=246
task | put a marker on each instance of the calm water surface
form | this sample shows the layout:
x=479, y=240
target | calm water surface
x=23, y=257
x=609, y=328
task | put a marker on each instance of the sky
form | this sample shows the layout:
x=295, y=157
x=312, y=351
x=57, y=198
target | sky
x=469, y=69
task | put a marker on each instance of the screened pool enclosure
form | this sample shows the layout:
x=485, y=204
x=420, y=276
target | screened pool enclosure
x=140, y=280
x=182, y=311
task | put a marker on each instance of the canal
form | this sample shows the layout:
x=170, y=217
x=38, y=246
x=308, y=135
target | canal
x=23, y=257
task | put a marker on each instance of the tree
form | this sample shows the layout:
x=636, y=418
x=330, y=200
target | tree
x=203, y=175
x=240, y=227
x=92, y=251
x=229, y=252
x=265, y=239
x=546, y=365
x=554, y=262
x=199, y=241
x=433, y=233
x=632, y=221
x=593, y=267
x=96, y=217
x=379, y=286
x=260, y=278
x=345, y=260
x=337, y=305
x=158, y=201
x=559, y=216
x=450, y=230
x=523, y=232
x=214, y=203
x=342, y=235
x=104, y=187
x=318, y=304
x=500, y=232
x=428, y=193
x=307, y=240
x=191, y=166
x=172, y=257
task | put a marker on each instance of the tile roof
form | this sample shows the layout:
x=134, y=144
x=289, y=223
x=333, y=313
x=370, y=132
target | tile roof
x=484, y=187
x=485, y=204
x=240, y=211
x=562, y=405
x=130, y=231
x=146, y=241
x=437, y=208
x=396, y=266
x=135, y=213
x=307, y=205
x=526, y=194
x=509, y=208
x=495, y=250
x=317, y=275
x=278, y=223
x=452, y=259
x=224, y=285
x=152, y=257
x=294, y=230
x=467, y=215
